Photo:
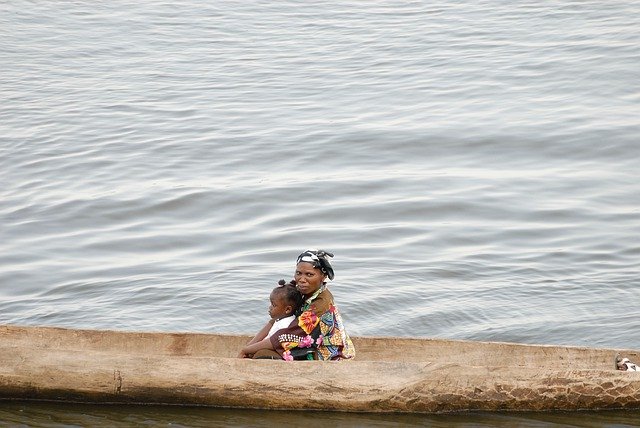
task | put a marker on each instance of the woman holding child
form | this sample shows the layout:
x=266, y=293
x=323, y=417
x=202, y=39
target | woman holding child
x=317, y=331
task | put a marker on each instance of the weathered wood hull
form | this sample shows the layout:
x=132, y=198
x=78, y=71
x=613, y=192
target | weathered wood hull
x=388, y=375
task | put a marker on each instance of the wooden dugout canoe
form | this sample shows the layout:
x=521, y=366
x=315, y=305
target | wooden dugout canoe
x=388, y=375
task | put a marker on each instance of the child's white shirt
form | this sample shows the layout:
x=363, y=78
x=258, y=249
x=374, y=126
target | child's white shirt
x=281, y=323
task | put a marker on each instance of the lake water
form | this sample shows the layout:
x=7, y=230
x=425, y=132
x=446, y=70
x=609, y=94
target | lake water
x=472, y=165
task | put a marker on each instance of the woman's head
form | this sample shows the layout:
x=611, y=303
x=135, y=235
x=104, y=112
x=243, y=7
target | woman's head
x=285, y=300
x=312, y=269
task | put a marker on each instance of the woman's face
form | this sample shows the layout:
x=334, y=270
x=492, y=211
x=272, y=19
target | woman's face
x=308, y=278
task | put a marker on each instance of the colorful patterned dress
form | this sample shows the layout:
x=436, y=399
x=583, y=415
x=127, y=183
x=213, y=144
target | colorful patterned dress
x=317, y=333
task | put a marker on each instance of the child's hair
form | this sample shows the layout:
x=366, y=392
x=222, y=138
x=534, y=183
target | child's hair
x=290, y=293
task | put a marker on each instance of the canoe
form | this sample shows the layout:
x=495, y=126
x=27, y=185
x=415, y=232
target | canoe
x=389, y=374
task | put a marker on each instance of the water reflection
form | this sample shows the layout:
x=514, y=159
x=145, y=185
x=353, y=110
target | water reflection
x=56, y=415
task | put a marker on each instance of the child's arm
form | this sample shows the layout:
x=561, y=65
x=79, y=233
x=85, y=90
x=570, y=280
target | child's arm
x=260, y=335
x=252, y=348
x=263, y=332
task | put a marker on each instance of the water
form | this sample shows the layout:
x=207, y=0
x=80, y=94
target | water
x=50, y=415
x=473, y=166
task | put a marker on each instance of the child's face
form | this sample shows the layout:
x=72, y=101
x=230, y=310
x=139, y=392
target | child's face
x=279, y=307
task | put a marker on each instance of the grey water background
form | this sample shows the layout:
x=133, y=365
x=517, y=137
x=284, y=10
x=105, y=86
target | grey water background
x=472, y=165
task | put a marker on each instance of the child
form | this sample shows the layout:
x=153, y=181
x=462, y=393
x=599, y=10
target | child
x=285, y=300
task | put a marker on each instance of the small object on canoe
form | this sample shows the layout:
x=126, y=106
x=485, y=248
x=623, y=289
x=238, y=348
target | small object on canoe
x=389, y=374
x=625, y=365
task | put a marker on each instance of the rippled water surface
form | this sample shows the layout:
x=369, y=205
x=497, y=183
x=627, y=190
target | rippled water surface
x=472, y=165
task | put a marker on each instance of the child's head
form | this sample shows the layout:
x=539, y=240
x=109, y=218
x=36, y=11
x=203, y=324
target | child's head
x=285, y=299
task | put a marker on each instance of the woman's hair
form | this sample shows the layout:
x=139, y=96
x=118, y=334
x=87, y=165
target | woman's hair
x=319, y=259
x=290, y=293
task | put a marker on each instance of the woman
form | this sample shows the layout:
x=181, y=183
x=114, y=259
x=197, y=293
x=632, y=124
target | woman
x=317, y=333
